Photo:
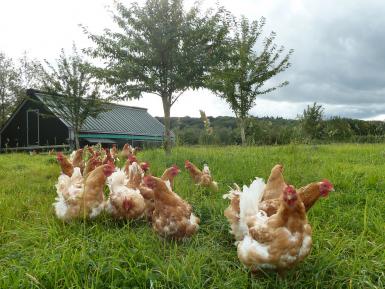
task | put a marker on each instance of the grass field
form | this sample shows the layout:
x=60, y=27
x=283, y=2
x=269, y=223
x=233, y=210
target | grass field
x=38, y=251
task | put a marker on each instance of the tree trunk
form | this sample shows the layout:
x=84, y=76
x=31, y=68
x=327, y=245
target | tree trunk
x=242, y=127
x=167, y=124
x=2, y=111
x=76, y=136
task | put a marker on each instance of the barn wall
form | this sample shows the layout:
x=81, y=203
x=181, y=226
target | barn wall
x=51, y=130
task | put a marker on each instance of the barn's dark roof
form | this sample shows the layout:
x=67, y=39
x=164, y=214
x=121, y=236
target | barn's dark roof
x=117, y=119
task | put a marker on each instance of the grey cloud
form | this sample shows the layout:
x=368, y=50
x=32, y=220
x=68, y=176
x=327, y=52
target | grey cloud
x=339, y=57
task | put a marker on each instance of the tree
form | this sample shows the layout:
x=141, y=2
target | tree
x=312, y=121
x=75, y=92
x=8, y=87
x=338, y=128
x=15, y=79
x=160, y=49
x=29, y=71
x=240, y=78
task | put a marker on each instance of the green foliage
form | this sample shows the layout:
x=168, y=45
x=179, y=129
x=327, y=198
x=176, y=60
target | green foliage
x=274, y=131
x=160, y=48
x=29, y=71
x=15, y=78
x=75, y=92
x=38, y=251
x=271, y=132
x=338, y=128
x=242, y=74
x=8, y=87
x=312, y=121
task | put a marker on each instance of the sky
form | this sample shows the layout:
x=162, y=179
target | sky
x=338, y=60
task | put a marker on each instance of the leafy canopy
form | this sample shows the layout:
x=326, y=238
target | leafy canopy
x=75, y=92
x=160, y=48
x=243, y=73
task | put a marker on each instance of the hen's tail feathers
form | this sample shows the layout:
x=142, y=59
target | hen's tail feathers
x=63, y=184
x=206, y=170
x=235, y=190
x=118, y=178
x=77, y=177
x=60, y=207
x=72, y=156
x=249, y=201
x=133, y=169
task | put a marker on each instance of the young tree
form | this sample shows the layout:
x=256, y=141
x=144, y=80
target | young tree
x=242, y=75
x=75, y=93
x=8, y=87
x=161, y=49
x=29, y=71
x=312, y=121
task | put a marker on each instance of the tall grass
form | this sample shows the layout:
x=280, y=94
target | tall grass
x=39, y=251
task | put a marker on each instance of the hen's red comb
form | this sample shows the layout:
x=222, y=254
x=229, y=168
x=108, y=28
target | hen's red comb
x=175, y=169
x=59, y=156
x=290, y=190
x=328, y=183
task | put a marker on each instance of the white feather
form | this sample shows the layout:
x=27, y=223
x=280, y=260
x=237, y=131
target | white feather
x=232, y=193
x=248, y=245
x=306, y=246
x=75, y=190
x=117, y=179
x=72, y=156
x=76, y=177
x=62, y=185
x=133, y=169
x=168, y=184
x=97, y=210
x=206, y=170
x=249, y=201
x=193, y=220
x=60, y=207
x=109, y=179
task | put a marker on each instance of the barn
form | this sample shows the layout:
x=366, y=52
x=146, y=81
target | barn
x=34, y=125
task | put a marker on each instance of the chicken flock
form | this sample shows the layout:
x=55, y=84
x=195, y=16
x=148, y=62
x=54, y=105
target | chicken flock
x=268, y=221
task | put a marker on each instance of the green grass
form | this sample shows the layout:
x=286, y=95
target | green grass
x=38, y=251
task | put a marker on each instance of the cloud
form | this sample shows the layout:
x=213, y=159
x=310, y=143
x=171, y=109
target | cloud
x=339, y=55
x=338, y=58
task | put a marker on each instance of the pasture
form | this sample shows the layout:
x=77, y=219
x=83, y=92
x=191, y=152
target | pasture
x=39, y=251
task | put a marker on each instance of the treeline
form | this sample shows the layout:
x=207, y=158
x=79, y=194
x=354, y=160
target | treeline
x=271, y=131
